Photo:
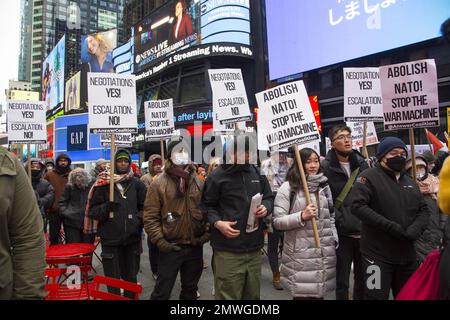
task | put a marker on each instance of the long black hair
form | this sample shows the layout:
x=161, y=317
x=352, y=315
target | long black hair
x=293, y=176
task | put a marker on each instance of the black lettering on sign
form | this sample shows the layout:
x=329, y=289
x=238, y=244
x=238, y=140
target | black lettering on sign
x=230, y=86
x=365, y=85
x=28, y=114
x=235, y=111
x=114, y=120
x=113, y=93
x=365, y=110
x=28, y=135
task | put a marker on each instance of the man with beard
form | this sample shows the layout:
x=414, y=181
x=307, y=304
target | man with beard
x=43, y=189
x=226, y=202
x=58, y=179
x=174, y=222
x=119, y=221
x=341, y=166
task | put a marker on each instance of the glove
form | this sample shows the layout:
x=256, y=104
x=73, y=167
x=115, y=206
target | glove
x=165, y=246
x=413, y=233
x=396, y=230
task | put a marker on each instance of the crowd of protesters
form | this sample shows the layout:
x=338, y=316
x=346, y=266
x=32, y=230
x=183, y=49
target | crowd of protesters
x=368, y=213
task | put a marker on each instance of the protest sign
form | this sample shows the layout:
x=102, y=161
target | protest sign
x=159, y=122
x=358, y=133
x=327, y=144
x=26, y=122
x=229, y=95
x=112, y=103
x=285, y=116
x=226, y=128
x=121, y=140
x=410, y=95
x=362, y=95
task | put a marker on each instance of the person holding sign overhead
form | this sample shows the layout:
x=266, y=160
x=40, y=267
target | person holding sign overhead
x=307, y=272
x=394, y=214
x=226, y=202
x=174, y=222
x=341, y=166
x=119, y=222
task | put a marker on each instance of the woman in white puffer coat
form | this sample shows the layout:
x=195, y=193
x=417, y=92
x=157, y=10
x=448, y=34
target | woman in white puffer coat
x=307, y=272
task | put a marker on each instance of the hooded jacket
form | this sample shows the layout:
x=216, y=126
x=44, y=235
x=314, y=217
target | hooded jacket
x=393, y=213
x=44, y=190
x=346, y=223
x=58, y=180
x=125, y=226
x=72, y=204
x=148, y=177
x=188, y=226
x=22, y=242
x=227, y=196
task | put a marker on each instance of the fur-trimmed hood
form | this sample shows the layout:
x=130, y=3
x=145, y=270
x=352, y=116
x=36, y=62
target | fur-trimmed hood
x=79, y=178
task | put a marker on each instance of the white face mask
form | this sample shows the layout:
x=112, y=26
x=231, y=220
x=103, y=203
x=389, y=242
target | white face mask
x=420, y=174
x=180, y=158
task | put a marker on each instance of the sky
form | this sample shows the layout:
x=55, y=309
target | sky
x=10, y=42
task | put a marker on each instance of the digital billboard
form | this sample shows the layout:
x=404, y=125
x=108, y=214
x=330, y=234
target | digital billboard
x=179, y=25
x=24, y=95
x=123, y=59
x=72, y=101
x=96, y=51
x=309, y=34
x=52, y=89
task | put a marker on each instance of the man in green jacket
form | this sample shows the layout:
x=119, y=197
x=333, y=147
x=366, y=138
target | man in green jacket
x=22, y=242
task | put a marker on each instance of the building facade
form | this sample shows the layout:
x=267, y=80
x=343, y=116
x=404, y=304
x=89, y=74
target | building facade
x=24, y=69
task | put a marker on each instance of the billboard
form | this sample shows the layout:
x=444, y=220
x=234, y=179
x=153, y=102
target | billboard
x=52, y=88
x=24, y=95
x=179, y=25
x=96, y=51
x=123, y=58
x=72, y=101
x=301, y=34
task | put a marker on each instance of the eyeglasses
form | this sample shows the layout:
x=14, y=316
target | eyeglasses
x=343, y=137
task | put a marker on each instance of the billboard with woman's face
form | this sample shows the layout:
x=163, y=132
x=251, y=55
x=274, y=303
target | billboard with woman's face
x=96, y=51
x=52, y=88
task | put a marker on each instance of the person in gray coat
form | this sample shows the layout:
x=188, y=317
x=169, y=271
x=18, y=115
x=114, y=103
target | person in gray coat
x=306, y=272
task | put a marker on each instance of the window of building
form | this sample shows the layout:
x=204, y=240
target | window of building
x=192, y=88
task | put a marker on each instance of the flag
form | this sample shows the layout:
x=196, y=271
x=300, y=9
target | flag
x=438, y=145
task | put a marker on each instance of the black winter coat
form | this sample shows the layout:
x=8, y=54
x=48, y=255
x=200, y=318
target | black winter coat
x=393, y=214
x=125, y=227
x=45, y=193
x=72, y=206
x=227, y=195
x=346, y=223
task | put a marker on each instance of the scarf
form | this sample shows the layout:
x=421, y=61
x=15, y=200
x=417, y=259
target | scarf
x=315, y=181
x=181, y=175
x=429, y=186
x=90, y=225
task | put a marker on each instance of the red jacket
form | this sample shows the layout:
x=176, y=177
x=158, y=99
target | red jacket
x=185, y=28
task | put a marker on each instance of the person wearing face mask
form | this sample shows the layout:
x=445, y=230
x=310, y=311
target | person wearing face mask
x=394, y=215
x=307, y=273
x=226, y=203
x=58, y=178
x=154, y=169
x=44, y=190
x=173, y=221
x=429, y=186
x=341, y=166
x=119, y=222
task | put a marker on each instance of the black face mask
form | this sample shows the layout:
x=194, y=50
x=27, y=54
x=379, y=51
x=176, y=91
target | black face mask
x=35, y=174
x=343, y=154
x=396, y=164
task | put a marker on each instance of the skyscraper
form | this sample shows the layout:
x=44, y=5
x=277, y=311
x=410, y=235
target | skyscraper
x=24, y=70
x=51, y=19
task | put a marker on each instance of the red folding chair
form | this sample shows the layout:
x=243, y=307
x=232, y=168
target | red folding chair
x=58, y=290
x=84, y=264
x=95, y=292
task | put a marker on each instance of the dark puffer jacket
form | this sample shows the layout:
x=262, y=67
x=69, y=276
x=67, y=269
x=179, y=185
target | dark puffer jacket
x=346, y=223
x=45, y=193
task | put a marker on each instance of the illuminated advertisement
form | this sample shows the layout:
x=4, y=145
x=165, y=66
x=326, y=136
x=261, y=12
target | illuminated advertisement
x=72, y=101
x=302, y=34
x=123, y=58
x=165, y=37
x=52, y=89
x=96, y=51
x=24, y=95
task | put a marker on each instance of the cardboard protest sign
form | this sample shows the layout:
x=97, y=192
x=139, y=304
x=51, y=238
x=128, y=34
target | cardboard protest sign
x=362, y=95
x=229, y=95
x=121, y=140
x=112, y=103
x=358, y=132
x=226, y=128
x=159, y=122
x=285, y=116
x=410, y=95
x=418, y=148
x=26, y=122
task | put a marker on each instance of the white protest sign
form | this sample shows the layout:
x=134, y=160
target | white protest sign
x=285, y=117
x=418, y=148
x=410, y=95
x=112, y=103
x=121, y=139
x=226, y=128
x=327, y=145
x=159, y=123
x=362, y=95
x=358, y=133
x=229, y=95
x=26, y=122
